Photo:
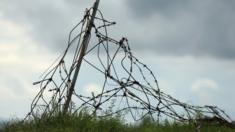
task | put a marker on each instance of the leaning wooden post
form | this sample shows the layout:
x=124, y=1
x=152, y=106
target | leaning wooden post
x=84, y=46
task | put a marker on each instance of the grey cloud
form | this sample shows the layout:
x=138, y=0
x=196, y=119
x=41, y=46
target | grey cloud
x=50, y=20
x=182, y=27
x=13, y=84
x=144, y=9
x=198, y=28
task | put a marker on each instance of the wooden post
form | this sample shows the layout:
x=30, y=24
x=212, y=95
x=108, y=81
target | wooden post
x=84, y=45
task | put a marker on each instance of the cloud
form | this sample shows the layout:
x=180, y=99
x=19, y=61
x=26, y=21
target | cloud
x=21, y=61
x=49, y=21
x=204, y=84
x=92, y=88
x=18, y=48
x=150, y=7
x=205, y=91
x=185, y=27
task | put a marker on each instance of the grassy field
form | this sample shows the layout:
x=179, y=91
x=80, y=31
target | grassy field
x=82, y=122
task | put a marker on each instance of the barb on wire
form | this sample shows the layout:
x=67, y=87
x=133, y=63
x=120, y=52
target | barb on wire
x=126, y=80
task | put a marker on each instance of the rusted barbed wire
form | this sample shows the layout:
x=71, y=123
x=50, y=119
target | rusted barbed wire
x=126, y=80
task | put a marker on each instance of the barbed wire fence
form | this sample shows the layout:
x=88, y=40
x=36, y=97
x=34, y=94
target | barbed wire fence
x=126, y=80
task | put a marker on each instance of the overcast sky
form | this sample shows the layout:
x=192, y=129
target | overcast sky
x=189, y=44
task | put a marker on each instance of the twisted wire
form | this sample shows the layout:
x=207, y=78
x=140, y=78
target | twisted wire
x=126, y=80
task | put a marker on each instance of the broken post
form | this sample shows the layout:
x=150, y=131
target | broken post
x=84, y=45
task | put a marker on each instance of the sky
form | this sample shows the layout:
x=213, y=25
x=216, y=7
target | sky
x=188, y=44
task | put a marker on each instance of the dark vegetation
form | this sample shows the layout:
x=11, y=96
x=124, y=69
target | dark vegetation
x=84, y=122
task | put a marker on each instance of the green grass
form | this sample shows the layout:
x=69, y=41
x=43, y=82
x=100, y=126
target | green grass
x=82, y=122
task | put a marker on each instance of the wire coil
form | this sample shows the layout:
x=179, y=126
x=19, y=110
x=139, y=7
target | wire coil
x=127, y=81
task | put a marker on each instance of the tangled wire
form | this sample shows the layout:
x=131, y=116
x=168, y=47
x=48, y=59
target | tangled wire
x=127, y=82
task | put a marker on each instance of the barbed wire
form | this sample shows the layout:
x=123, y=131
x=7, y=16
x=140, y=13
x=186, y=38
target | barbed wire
x=126, y=80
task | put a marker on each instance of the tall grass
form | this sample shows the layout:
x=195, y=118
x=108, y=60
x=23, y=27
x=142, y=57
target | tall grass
x=83, y=122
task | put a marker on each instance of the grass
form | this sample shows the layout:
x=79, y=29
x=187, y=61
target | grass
x=83, y=122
